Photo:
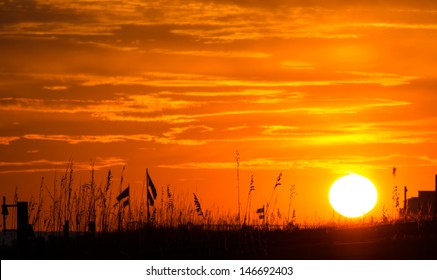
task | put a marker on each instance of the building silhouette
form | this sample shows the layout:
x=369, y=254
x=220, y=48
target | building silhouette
x=424, y=204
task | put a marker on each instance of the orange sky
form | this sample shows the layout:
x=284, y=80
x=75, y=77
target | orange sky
x=314, y=90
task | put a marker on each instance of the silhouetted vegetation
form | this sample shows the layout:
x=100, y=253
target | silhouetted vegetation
x=94, y=221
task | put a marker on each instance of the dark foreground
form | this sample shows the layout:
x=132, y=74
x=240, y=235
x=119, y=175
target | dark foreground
x=400, y=241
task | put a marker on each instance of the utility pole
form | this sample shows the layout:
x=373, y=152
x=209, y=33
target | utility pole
x=405, y=200
x=4, y=213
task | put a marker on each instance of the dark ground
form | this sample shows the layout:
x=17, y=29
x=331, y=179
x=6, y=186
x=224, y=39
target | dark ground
x=399, y=241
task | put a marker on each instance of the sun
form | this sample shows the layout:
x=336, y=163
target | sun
x=353, y=195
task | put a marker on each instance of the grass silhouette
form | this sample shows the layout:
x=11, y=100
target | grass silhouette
x=181, y=229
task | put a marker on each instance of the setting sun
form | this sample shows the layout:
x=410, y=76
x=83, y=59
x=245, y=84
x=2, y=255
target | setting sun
x=353, y=195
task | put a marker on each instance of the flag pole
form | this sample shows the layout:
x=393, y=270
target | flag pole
x=142, y=203
x=118, y=202
x=147, y=199
x=130, y=212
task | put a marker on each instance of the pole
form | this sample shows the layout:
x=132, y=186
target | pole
x=147, y=200
x=142, y=204
x=405, y=200
x=4, y=213
x=23, y=225
x=119, y=207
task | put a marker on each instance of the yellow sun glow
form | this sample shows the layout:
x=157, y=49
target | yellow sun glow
x=353, y=195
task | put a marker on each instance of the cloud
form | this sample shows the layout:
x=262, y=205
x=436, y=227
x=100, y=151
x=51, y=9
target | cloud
x=89, y=138
x=29, y=163
x=296, y=65
x=280, y=97
x=49, y=29
x=331, y=163
x=244, y=92
x=236, y=128
x=6, y=140
x=280, y=30
x=210, y=21
x=385, y=79
x=224, y=54
x=170, y=80
x=215, y=73
x=34, y=11
x=367, y=137
x=330, y=108
x=44, y=165
x=55, y=88
x=279, y=130
x=308, y=135
x=189, y=135
x=45, y=105
x=360, y=105
x=401, y=25
x=107, y=46
x=121, y=104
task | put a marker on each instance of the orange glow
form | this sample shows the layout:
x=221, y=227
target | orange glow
x=313, y=90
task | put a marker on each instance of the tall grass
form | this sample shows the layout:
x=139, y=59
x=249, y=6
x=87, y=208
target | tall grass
x=269, y=204
x=292, y=194
x=249, y=197
x=81, y=203
x=198, y=207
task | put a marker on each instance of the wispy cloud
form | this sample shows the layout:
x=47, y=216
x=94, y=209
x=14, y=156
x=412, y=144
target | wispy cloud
x=181, y=80
x=385, y=79
x=297, y=65
x=122, y=104
x=55, y=88
x=401, y=25
x=89, y=138
x=176, y=135
x=337, y=163
x=44, y=165
x=279, y=129
x=6, y=140
x=57, y=29
x=330, y=108
x=348, y=134
x=225, y=54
